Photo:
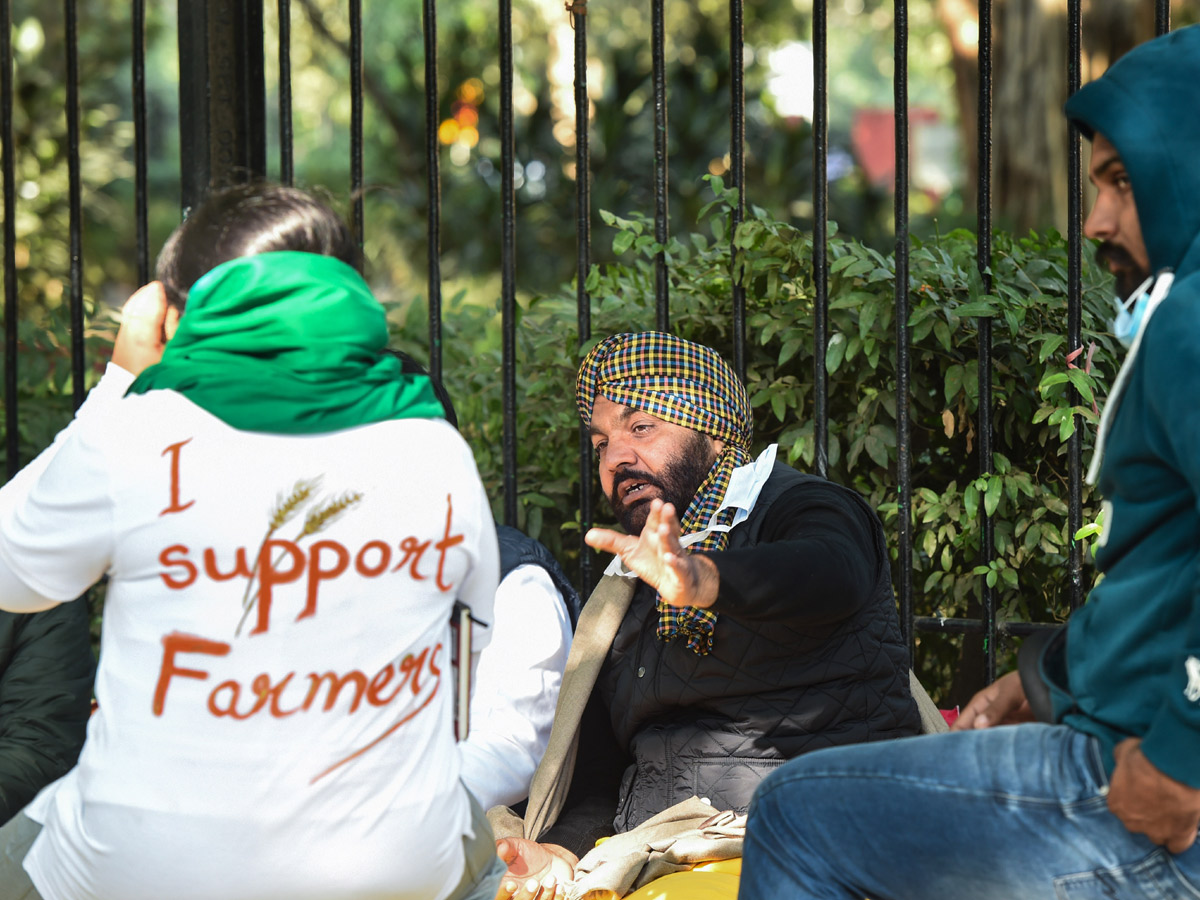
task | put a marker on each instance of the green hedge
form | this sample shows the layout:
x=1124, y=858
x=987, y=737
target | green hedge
x=1027, y=308
x=1027, y=495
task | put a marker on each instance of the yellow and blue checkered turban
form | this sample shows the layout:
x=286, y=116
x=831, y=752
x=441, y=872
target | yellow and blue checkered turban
x=677, y=380
x=690, y=385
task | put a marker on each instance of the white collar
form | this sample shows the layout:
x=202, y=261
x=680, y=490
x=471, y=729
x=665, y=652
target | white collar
x=1162, y=286
x=745, y=484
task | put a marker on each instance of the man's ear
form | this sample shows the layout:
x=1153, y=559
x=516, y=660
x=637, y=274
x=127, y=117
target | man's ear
x=171, y=320
x=718, y=445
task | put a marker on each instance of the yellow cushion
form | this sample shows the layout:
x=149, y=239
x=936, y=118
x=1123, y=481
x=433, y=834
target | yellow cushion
x=694, y=885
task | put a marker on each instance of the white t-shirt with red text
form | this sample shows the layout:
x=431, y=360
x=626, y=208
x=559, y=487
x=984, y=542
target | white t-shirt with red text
x=275, y=690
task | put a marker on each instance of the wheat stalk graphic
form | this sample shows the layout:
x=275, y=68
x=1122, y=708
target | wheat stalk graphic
x=322, y=516
x=317, y=520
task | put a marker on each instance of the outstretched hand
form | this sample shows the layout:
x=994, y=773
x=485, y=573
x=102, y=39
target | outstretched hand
x=1151, y=803
x=657, y=557
x=1000, y=703
x=535, y=871
x=147, y=323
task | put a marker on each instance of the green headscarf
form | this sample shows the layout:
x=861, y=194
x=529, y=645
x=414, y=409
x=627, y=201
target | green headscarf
x=287, y=343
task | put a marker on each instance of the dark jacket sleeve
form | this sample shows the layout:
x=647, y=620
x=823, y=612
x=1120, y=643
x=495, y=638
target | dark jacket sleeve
x=819, y=542
x=46, y=671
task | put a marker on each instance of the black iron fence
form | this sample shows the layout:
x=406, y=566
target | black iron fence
x=223, y=136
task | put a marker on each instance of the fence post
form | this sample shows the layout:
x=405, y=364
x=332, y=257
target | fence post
x=222, y=95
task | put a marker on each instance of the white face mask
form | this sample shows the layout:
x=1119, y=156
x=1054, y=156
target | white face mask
x=1131, y=313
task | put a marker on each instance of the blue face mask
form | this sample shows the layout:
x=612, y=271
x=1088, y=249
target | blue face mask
x=1131, y=313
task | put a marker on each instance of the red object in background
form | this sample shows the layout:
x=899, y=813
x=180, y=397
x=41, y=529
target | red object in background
x=873, y=140
x=949, y=715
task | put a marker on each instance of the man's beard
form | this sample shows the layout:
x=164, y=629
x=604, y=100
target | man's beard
x=677, y=483
x=1128, y=273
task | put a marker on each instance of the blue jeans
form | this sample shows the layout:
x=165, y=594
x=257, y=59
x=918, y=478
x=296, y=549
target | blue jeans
x=1011, y=813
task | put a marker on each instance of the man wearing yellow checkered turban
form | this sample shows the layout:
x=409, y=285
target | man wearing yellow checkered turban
x=698, y=399
x=748, y=618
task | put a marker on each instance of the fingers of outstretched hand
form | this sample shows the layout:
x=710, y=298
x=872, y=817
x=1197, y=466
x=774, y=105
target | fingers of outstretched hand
x=529, y=889
x=606, y=540
x=667, y=530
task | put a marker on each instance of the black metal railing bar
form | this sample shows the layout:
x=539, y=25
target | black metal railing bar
x=661, y=176
x=141, y=193
x=287, y=162
x=356, y=125
x=1074, y=304
x=583, y=243
x=8, y=165
x=820, y=235
x=737, y=166
x=904, y=522
x=74, y=203
x=508, y=254
x=433, y=187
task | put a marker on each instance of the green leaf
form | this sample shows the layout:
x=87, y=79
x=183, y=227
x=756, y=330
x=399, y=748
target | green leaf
x=1052, y=343
x=623, y=241
x=789, y=349
x=778, y=406
x=876, y=450
x=978, y=309
x=1051, y=380
x=1066, y=428
x=971, y=501
x=1080, y=380
x=929, y=545
x=840, y=263
x=954, y=381
x=859, y=267
x=747, y=235
x=991, y=499
x=835, y=352
x=866, y=318
x=941, y=330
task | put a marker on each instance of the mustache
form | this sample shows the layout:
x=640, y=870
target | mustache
x=631, y=475
x=1108, y=252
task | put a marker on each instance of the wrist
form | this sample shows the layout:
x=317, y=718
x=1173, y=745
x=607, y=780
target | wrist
x=708, y=581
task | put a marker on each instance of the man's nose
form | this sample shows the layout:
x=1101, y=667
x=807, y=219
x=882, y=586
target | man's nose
x=619, y=452
x=1101, y=222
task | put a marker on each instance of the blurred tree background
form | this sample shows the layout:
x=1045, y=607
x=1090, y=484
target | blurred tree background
x=1029, y=147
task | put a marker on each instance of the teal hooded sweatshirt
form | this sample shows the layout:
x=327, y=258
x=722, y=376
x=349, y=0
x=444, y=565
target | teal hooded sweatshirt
x=1133, y=651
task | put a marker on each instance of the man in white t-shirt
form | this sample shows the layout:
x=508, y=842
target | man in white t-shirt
x=285, y=522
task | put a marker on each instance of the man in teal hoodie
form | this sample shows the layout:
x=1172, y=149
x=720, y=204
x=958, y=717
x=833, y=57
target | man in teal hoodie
x=1105, y=801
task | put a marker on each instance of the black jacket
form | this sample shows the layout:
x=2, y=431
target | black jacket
x=46, y=671
x=807, y=653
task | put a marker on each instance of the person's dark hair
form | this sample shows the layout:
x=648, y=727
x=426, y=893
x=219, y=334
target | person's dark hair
x=244, y=220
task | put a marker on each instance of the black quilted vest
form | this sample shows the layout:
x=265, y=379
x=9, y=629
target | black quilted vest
x=714, y=726
x=518, y=549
